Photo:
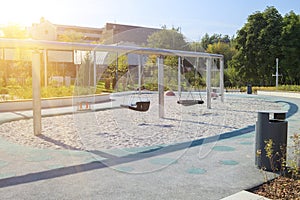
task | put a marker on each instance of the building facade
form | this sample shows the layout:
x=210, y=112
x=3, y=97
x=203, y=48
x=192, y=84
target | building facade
x=46, y=30
x=117, y=33
x=111, y=33
x=62, y=63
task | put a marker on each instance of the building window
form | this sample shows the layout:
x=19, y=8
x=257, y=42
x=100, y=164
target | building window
x=46, y=32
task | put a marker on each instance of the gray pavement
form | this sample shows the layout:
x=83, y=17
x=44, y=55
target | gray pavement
x=211, y=168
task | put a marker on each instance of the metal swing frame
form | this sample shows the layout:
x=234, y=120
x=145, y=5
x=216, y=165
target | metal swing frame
x=40, y=47
x=186, y=102
x=141, y=106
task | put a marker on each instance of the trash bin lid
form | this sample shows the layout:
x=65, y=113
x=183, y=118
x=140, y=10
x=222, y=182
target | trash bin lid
x=272, y=111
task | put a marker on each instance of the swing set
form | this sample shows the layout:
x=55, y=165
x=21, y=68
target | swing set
x=188, y=101
x=140, y=104
x=143, y=105
x=38, y=46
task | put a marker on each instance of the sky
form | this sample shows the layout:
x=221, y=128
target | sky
x=194, y=17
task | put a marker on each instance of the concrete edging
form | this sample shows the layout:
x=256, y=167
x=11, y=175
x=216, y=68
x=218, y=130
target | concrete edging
x=279, y=94
x=9, y=106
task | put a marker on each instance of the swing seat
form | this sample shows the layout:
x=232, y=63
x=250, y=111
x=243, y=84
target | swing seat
x=190, y=102
x=141, y=106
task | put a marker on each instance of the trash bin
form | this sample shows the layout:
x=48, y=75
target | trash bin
x=276, y=130
x=249, y=89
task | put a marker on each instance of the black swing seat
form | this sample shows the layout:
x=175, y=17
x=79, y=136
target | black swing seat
x=190, y=102
x=141, y=106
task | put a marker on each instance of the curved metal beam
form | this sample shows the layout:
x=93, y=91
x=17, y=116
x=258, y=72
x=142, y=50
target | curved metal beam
x=54, y=45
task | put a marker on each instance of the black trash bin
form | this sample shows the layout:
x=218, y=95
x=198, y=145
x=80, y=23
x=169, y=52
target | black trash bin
x=249, y=89
x=276, y=130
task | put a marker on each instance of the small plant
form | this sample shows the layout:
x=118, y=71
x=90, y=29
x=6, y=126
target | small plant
x=277, y=160
x=107, y=84
x=286, y=185
x=294, y=163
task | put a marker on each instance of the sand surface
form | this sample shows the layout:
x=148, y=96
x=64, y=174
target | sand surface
x=124, y=128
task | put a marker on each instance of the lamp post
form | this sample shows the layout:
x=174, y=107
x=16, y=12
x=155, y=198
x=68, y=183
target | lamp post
x=117, y=55
x=276, y=74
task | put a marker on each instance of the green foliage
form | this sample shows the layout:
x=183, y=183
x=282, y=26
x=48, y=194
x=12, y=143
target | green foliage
x=107, y=84
x=294, y=88
x=151, y=86
x=118, y=66
x=17, y=91
x=79, y=90
x=196, y=46
x=85, y=77
x=62, y=91
x=233, y=79
x=167, y=39
x=285, y=88
x=25, y=92
x=269, y=148
x=3, y=89
x=230, y=74
x=222, y=48
x=17, y=71
x=291, y=48
x=287, y=184
x=267, y=36
x=173, y=39
x=103, y=86
x=71, y=36
x=294, y=163
x=258, y=44
x=15, y=31
x=207, y=40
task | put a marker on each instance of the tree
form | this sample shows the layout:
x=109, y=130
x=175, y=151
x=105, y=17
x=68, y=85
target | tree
x=173, y=39
x=290, y=63
x=232, y=78
x=215, y=38
x=222, y=48
x=258, y=44
x=196, y=46
x=110, y=72
x=167, y=39
x=205, y=41
x=17, y=69
x=228, y=51
x=14, y=31
x=71, y=36
x=84, y=75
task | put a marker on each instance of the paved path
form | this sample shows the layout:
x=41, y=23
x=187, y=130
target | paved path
x=211, y=168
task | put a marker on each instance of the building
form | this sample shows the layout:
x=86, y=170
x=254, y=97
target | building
x=63, y=63
x=45, y=30
x=116, y=33
x=111, y=34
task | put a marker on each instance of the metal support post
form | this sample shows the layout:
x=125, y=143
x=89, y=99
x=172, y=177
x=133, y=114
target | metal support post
x=277, y=73
x=95, y=70
x=160, y=65
x=36, y=93
x=222, y=78
x=179, y=76
x=117, y=63
x=208, y=81
x=140, y=73
x=45, y=68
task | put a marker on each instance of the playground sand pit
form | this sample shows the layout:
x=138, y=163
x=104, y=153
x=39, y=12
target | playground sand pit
x=125, y=128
